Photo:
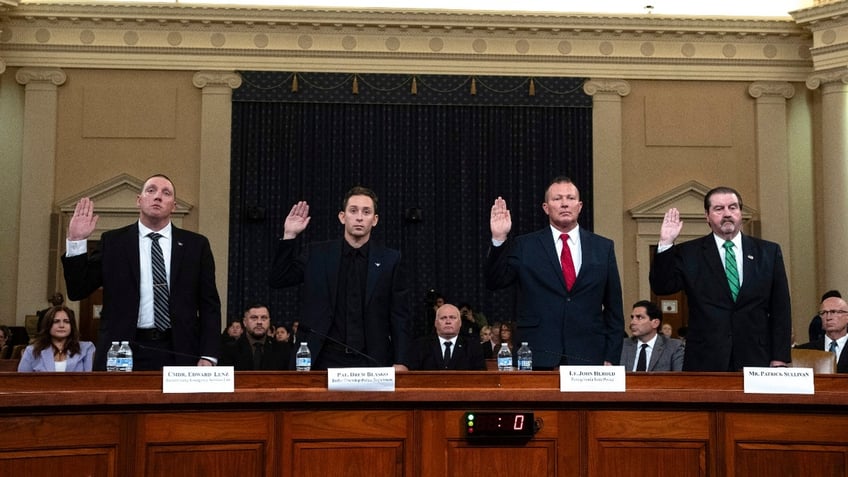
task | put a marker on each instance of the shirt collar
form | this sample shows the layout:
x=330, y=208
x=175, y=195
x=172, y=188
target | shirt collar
x=144, y=231
x=574, y=234
x=737, y=241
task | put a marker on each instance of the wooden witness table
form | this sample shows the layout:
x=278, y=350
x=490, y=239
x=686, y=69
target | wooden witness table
x=288, y=424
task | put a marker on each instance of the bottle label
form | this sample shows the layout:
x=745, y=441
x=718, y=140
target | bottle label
x=525, y=364
x=303, y=363
x=505, y=362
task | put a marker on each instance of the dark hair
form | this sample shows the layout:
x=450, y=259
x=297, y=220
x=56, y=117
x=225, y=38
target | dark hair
x=359, y=190
x=651, y=309
x=831, y=294
x=7, y=332
x=720, y=190
x=43, y=340
x=254, y=305
x=560, y=180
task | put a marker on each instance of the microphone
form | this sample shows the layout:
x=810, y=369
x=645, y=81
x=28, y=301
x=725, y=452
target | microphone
x=333, y=340
x=567, y=357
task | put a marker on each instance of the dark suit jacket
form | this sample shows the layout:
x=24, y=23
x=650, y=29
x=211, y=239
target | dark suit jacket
x=194, y=303
x=725, y=335
x=667, y=354
x=239, y=354
x=388, y=314
x=466, y=354
x=841, y=365
x=583, y=325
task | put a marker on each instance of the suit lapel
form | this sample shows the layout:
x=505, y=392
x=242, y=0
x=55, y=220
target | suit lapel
x=749, y=267
x=713, y=261
x=375, y=266
x=129, y=244
x=659, y=344
x=331, y=262
x=546, y=240
x=177, y=253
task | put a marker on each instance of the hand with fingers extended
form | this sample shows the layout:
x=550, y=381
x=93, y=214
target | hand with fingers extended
x=500, y=221
x=671, y=227
x=296, y=221
x=83, y=222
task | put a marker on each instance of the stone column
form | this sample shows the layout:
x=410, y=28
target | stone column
x=773, y=162
x=214, y=198
x=834, y=174
x=608, y=200
x=37, y=180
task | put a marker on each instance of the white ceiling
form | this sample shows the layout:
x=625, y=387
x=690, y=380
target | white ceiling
x=732, y=8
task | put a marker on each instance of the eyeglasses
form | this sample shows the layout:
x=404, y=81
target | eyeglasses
x=824, y=313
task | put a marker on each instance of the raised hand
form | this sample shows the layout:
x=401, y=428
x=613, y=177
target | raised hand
x=296, y=221
x=671, y=227
x=500, y=221
x=83, y=222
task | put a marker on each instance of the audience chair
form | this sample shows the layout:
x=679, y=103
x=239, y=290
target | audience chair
x=822, y=362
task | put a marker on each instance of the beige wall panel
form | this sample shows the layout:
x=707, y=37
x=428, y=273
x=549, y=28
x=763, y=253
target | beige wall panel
x=135, y=111
x=170, y=98
x=11, y=144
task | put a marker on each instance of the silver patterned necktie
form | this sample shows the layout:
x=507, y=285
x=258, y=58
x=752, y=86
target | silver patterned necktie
x=160, y=284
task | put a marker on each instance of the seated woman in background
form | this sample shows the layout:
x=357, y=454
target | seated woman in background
x=5, y=342
x=57, y=347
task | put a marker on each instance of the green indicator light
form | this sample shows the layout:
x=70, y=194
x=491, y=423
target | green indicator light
x=470, y=423
x=471, y=417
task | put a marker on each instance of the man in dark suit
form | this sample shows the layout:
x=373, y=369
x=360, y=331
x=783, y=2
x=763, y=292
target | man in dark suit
x=739, y=309
x=834, y=313
x=254, y=350
x=185, y=330
x=355, y=305
x=646, y=349
x=816, y=328
x=570, y=290
x=448, y=349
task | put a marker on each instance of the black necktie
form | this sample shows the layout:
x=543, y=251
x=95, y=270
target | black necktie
x=160, y=284
x=355, y=328
x=641, y=364
x=257, y=356
x=447, y=352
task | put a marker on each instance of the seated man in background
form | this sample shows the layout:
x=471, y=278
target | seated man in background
x=255, y=350
x=647, y=350
x=448, y=349
x=834, y=314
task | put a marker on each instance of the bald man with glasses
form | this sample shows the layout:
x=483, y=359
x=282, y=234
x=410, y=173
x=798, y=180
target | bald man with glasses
x=834, y=314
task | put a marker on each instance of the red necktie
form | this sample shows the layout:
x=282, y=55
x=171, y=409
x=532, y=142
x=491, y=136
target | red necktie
x=567, y=263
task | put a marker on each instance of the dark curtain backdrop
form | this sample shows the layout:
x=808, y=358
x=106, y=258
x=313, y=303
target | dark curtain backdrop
x=443, y=151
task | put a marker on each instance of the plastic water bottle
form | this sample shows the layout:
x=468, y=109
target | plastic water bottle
x=303, y=358
x=125, y=357
x=504, y=358
x=525, y=357
x=112, y=357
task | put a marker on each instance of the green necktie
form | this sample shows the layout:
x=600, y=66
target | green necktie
x=730, y=268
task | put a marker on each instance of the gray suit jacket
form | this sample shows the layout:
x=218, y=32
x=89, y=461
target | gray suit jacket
x=667, y=354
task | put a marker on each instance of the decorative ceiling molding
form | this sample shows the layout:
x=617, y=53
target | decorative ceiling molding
x=178, y=36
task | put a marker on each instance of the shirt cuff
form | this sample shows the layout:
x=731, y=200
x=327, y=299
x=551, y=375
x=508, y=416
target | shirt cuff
x=497, y=243
x=663, y=248
x=211, y=359
x=74, y=248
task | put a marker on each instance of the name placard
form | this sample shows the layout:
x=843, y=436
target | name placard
x=592, y=378
x=198, y=379
x=361, y=379
x=779, y=380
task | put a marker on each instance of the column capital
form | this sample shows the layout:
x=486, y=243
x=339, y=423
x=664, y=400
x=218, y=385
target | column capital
x=202, y=79
x=605, y=85
x=55, y=76
x=758, y=89
x=823, y=77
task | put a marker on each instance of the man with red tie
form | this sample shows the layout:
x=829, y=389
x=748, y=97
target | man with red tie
x=570, y=306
